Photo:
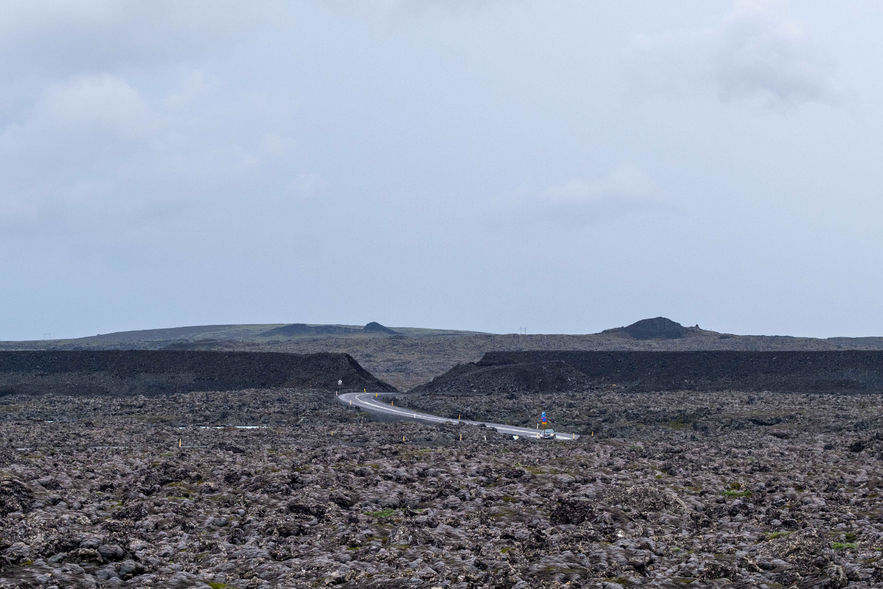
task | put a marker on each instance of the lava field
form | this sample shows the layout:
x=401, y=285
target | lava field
x=665, y=489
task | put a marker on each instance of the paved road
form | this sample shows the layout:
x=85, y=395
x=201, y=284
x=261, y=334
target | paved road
x=376, y=403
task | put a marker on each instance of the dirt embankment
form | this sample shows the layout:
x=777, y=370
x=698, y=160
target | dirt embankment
x=667, y=371
x=143, y=372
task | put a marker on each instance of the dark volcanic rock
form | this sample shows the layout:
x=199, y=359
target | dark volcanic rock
x=718, y=370
x=552, y=376
x=134, y=372
x=14, y=496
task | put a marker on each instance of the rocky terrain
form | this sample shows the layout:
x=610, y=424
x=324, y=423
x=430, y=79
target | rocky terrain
x=145, y=372
x=671, y=489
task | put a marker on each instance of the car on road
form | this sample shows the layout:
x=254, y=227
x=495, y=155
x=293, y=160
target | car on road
x=548, y=434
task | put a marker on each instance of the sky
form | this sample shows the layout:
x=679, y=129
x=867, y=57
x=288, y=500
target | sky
x=563, y=166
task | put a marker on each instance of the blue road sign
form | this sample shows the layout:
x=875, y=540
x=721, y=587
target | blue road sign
x=544, y=417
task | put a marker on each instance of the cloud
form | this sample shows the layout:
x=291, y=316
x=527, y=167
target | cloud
x=102, y=93
x=99, y=103
x=18, y=211
x=194, y=87
x=308, y=185
x=758, y=53
x=386, y=12
x=52, y=36
x=102, y=154
x=406, y=6
x=623, y=183
x=274, y=144
x=582, y=202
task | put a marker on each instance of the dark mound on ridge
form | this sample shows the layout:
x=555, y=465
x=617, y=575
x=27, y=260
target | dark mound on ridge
x=657, y=328
x=375, y=327
x=847, y=371
x=152, y=372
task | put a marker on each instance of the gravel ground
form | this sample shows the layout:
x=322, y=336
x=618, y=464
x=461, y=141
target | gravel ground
x=672, y=490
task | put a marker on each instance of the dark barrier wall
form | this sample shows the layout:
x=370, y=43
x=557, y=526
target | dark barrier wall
x=159, y=372
x=719, y=370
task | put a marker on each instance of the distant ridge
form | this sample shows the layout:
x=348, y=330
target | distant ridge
x=302, y=329
x=244, y=336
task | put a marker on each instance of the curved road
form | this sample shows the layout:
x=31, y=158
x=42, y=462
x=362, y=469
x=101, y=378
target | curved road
x=372, y=402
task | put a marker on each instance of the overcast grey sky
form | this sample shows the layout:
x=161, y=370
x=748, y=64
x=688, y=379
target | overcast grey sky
x=566, y=166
